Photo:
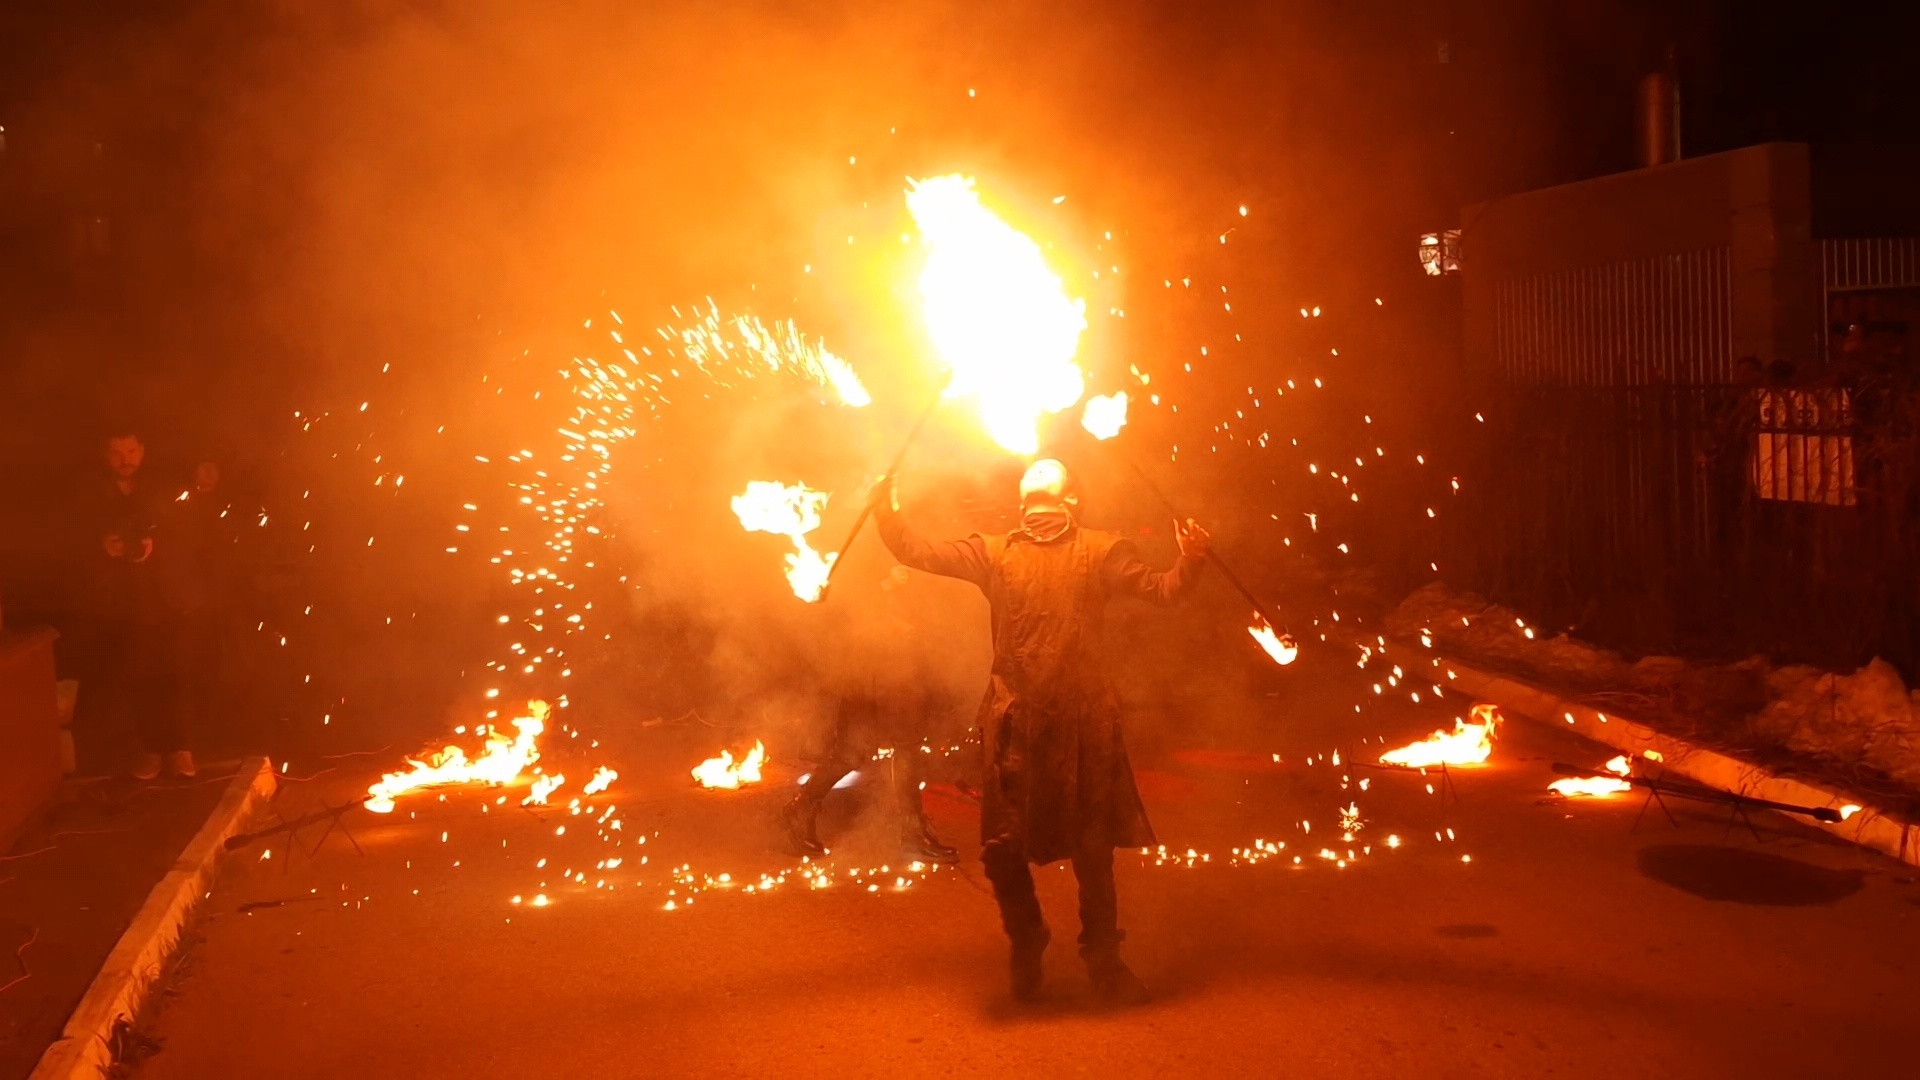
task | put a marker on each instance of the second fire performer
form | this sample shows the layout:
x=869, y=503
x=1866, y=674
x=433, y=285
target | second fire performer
x=884, y=713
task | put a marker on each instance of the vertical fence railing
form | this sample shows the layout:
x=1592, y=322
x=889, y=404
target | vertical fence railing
x=1870, y=263
x=1718, y=520
x=1631, y=492
x=1659, y=320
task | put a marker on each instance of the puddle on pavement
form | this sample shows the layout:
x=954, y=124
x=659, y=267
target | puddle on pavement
x=1744, y=876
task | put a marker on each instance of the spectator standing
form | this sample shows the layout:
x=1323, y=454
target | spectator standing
x=129, y=675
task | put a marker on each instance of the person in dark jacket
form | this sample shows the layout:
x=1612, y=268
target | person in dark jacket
x=129, y=679
x=1058, y=784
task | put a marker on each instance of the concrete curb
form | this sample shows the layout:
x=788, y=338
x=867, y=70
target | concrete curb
x=1868, y=828
x=85, y=1046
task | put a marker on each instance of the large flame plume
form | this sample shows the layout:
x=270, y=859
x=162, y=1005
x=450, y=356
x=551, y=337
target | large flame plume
x=1467, y=744
x=500, y=762
x=725, y=772
x=791, y=511
x=1001, y=320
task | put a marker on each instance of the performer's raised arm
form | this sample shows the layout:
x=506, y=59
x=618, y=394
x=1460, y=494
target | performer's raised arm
x=1127, y=574
x=964, y=559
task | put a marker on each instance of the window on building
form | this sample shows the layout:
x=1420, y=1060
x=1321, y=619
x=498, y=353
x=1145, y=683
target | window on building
x=1803, y=450
x=1440, y=252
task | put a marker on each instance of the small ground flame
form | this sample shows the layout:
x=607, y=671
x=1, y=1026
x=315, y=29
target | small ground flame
x=500, y=762
x=725, y=772
x=602, y=779
x=791, y=511
x=1466, y=744
x=1597, y=786
x=543, y=786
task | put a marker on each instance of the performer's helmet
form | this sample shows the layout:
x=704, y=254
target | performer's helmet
x=1047, y=486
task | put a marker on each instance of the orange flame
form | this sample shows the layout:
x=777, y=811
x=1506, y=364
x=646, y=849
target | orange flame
x=793, y=512
x=724, y=772
x=602, y=779
x=1597, y=785
x=1466, y=744
x=999, y=317
x=1281, y=647
x=500, y=762
x=1104, y=416
x=543, y=786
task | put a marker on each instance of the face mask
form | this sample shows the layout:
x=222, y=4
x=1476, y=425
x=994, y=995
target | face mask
x=1046, y=525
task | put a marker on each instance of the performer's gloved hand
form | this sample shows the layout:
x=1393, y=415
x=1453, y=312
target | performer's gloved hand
x=1194, y=541
x=880, y=497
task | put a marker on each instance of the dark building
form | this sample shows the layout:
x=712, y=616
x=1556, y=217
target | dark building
x=1703, y=432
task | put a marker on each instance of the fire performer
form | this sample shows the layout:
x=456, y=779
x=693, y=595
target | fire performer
x=889, y=708
x=1058, y=782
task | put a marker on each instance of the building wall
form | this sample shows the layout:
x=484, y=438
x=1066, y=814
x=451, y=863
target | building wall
x=1657, y=276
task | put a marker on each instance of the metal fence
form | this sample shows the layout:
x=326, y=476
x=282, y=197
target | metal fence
x=1876, y=263
x=1667, y=319
x=1706, y=520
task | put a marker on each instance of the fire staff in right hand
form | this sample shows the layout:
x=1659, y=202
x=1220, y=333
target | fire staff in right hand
x=1058, y=784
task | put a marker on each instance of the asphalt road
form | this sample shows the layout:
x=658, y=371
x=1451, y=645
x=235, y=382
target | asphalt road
x=1544, y=937
x=73, y=882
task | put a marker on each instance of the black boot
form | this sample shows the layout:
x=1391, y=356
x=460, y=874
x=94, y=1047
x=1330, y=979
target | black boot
x=797, y=821
x=1020, y=915
x=919, y=841
x=1113, y=981
x=1027, y=964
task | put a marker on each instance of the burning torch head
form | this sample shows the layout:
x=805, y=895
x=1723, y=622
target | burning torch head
x=1047, y=486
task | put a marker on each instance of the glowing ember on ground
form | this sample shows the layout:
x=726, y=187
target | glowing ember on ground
x=724, y=772
x=1104, y=416
x=1597, y=785
x=1281, y=647
x=793, y=512
x=1350, y=820
x=500, y=762
x=1466, y=744
x=1001, y=320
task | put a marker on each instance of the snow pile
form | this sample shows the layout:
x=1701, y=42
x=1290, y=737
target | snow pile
x=1845, y=726
x=1869, y=718
x=1474, y=627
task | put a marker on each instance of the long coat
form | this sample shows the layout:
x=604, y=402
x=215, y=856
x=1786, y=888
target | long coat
x=1057, y=778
